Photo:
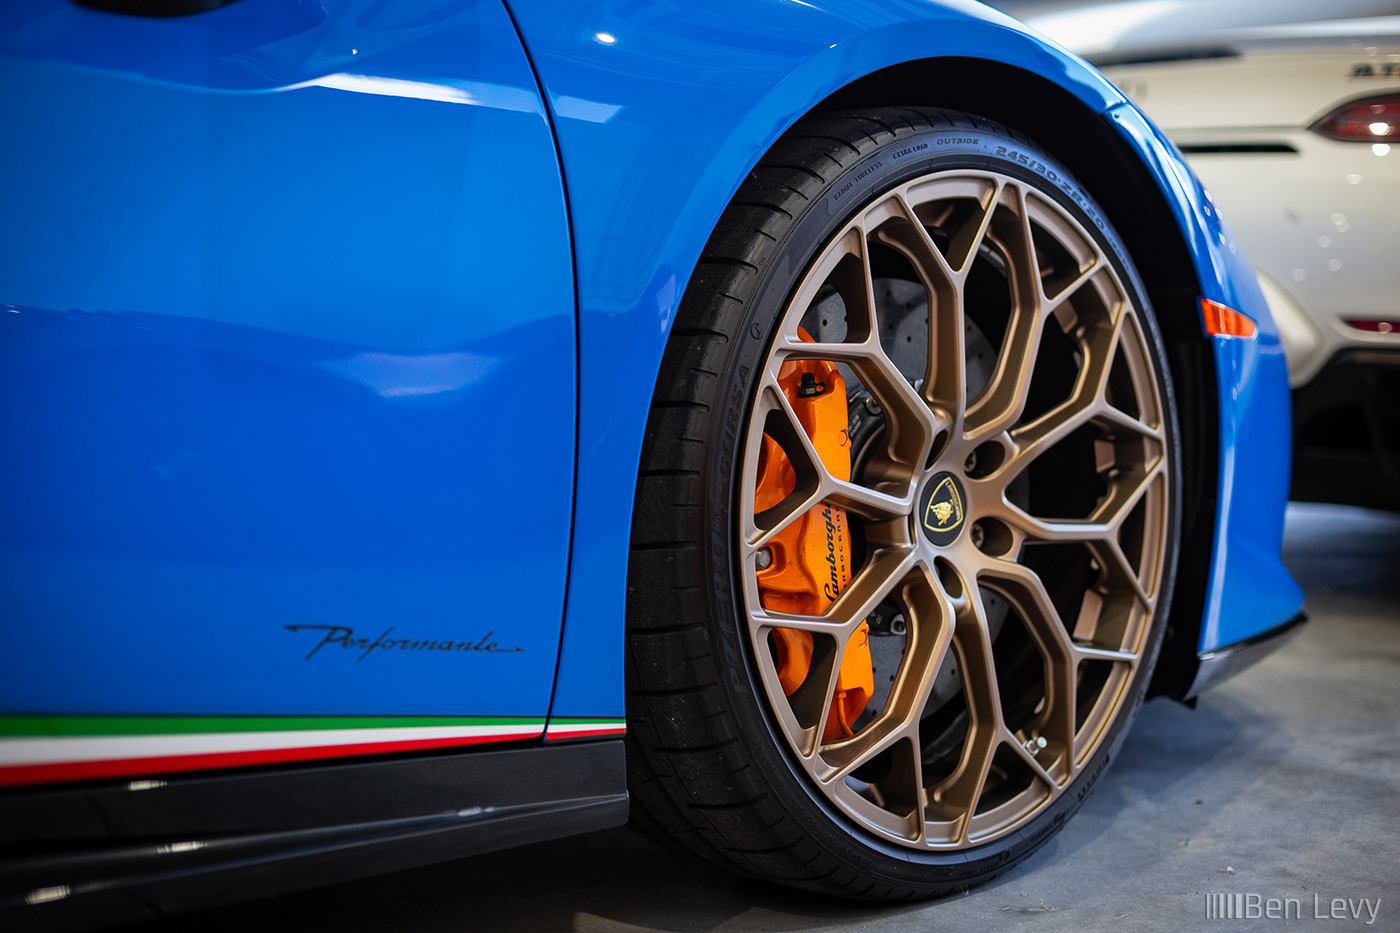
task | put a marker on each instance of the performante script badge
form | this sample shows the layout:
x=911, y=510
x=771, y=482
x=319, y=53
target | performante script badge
x=942, y=509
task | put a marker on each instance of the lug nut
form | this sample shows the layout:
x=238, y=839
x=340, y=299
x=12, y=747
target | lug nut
x=970, y=463
x=977, y=534
x=764, y=558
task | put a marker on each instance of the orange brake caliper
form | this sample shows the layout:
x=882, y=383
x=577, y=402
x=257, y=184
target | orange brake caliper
x=811, y=562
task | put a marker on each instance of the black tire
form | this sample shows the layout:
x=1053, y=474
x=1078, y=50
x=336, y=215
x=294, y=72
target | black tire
x=708, y=768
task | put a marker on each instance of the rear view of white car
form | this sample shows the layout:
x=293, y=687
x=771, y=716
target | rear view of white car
x=1290, y=115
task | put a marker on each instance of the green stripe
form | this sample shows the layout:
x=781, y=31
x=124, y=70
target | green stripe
x=16, y=726
x=584, y=721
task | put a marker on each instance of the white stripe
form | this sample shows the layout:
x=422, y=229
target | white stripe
x=54, y=749
x=576, y=727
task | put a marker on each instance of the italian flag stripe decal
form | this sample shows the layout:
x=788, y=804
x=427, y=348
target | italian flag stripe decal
x=46, y=749
x=564, y=728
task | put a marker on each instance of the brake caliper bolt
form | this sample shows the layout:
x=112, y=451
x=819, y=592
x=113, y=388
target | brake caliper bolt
x=1034, y=745
x=764, y=558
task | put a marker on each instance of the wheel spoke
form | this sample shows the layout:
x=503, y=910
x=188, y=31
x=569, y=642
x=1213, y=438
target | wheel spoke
x=761, y=621
x=868, y=503
x=1052, y=783
x=945, y=380
x=870, y=587
x=789, y=350
x=929, y=637
x=986, y=730
x=966, y=242
x=1095, y=266
x=920, y=802
x=1113, y=417
x=873, y=584
x=1056, y=722
x=1101, y=525
x=1085, y=403
x=850, y=753
x=1124, y=495
x=1045, y=432
x=910, y=426
x=815, y=482
x=842, y=265
x=1104, y=654
x=914, y=241
x=1053, y=530
x=1004, y=398
x=775, y=417
x=1118, y=569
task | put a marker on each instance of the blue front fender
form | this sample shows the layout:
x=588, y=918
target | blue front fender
x=661, y=110
x=1249, y=591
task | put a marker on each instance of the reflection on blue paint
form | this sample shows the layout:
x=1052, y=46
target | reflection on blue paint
x=474, y=93
x=394, y=375
x=590, y=111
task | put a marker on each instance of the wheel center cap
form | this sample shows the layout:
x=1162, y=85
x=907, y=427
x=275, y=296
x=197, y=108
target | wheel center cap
x=942, y=509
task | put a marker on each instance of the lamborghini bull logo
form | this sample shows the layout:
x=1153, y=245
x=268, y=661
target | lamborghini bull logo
x=943, y=510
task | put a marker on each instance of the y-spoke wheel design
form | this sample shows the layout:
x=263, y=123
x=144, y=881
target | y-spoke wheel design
x=1072, y=371
x=905, y=521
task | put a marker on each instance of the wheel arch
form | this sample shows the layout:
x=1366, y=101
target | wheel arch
x=688, y=132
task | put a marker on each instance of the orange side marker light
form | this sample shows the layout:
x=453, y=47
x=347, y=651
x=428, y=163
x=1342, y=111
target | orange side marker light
x=1222, y=321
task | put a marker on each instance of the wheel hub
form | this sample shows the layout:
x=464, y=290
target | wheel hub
x=942, y=511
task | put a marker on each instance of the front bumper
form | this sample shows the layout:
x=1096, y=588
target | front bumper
x=1220, y=664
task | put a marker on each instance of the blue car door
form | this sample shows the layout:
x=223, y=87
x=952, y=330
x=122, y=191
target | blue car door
x=287, y=384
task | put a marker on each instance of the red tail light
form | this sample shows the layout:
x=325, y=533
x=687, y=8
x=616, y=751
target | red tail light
x=1375, y=119
x=1374, y=326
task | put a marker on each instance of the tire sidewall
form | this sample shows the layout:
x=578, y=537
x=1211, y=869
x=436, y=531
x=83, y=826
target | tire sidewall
x=912, y=153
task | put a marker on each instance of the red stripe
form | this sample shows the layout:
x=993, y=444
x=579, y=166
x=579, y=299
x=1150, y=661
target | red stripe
x=559, y=733
x=141, y=767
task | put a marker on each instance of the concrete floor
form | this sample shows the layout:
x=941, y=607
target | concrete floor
x=1282, y=783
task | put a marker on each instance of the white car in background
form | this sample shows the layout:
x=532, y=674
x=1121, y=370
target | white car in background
x=1289, y=112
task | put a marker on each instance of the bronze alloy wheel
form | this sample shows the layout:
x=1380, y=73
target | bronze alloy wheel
x=1021, y=742
x=906, y=628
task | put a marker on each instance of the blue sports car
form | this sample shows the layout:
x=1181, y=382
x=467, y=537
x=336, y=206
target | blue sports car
x=437, y=425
